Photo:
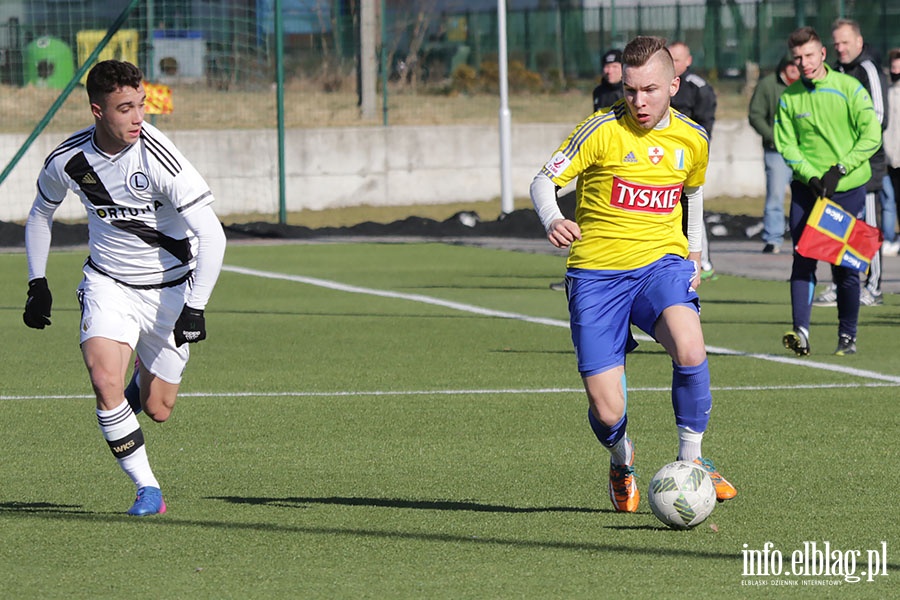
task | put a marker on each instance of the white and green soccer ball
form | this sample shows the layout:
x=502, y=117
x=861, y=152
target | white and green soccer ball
x=682, y=495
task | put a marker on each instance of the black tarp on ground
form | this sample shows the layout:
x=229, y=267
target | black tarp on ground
x=517, y=224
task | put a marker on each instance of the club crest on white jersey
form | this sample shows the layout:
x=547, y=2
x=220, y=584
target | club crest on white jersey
x=138, y=182
x=135, y=201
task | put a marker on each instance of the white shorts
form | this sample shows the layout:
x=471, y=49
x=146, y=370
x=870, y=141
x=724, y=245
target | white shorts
x=143, y=319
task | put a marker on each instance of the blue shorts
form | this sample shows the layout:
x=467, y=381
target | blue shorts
x=604, y=304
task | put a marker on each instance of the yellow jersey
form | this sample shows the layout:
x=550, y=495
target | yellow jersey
x=630, y=182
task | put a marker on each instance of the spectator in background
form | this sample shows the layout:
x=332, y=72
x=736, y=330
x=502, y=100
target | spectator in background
x=610, y=88
x=855, y=59
x=697, y=101
x=888, y=198
x=763, y=106
x=827, y=130
x=892, y=153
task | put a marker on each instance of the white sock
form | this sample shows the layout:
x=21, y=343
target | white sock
x=689, y=443
x=622, y=452
x=121, y=430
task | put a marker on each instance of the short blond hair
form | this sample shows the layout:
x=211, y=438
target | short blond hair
x=838, y=23
x=641, y=49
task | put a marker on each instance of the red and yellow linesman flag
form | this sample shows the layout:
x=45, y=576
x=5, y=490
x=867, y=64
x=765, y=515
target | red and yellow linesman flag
x=834, y=235
x=159, y=99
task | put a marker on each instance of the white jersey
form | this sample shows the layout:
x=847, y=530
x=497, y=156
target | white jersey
x=135, y=204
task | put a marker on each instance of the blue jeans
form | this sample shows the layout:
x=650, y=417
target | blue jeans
x=778, y=178
x=888, y=209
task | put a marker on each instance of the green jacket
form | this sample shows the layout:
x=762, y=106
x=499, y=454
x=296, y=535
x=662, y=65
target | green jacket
x=764, y=105
x=830, y=122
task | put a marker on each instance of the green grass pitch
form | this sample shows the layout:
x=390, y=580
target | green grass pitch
x=406, y=421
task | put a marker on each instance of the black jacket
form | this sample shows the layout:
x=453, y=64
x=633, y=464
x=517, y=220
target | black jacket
x=696, y=100
x=867, y=69
x=607, y=93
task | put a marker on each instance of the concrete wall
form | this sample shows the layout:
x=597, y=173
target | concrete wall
x=336, y=167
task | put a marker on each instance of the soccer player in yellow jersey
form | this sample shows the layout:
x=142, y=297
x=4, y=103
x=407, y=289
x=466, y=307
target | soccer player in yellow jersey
x=640, y=167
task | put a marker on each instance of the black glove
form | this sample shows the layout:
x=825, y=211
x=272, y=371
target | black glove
x=190, y=327
x=37, y=307
x=815, y=184
x=830, y=181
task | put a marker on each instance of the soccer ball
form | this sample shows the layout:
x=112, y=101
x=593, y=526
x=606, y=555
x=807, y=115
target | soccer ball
x=682, y=495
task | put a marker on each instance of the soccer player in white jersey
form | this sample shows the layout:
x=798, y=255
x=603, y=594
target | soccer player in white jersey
x=156, y=250
x=640, y=166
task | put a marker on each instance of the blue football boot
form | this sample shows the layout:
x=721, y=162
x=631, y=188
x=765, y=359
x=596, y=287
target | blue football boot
x=149, y=501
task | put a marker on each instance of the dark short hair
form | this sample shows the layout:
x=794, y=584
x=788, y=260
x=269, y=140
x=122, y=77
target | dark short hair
x=109, y=75
x=642, y=48
x=893, y=54
x=802, y=36
x=784, y=62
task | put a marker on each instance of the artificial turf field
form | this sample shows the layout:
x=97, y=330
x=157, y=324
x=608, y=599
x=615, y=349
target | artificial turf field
x=406, y=421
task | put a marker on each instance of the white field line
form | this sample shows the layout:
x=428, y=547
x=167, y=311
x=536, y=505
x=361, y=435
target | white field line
x=880, y=379
x=478, y=310
x=474, y=392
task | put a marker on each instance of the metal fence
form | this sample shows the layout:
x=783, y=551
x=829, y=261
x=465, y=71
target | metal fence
x=220, y=56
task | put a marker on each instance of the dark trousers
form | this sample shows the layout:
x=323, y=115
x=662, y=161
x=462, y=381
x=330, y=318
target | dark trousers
x=803, y=272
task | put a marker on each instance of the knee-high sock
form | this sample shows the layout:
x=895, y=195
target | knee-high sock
x=606, y=435
x=123, y=433
x=609, y=436
x=621, y=451
x=691, y=397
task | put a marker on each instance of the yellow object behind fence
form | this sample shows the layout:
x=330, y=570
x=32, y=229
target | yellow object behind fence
x=159, y=99
x=122, y=46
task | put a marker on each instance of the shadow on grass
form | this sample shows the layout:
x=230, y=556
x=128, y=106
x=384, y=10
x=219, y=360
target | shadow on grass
x=61, y=512
x=300, y=502
x=43, y=507
x=42, y=510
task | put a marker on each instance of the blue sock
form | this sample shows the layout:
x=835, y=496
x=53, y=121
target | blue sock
x=608, y=436
x=691, y=397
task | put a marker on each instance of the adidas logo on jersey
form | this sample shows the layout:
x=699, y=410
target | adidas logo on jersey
x=630, y=158
x=88, y=179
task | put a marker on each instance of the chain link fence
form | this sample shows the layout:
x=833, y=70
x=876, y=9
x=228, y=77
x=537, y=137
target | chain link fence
x=435, y=58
